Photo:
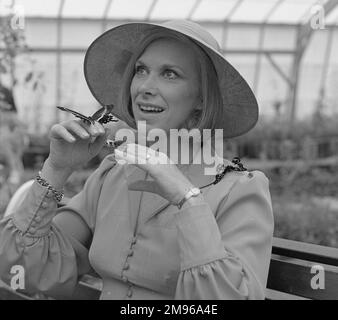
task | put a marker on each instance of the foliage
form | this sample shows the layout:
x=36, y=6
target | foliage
x=304, y=219
x=13, y=44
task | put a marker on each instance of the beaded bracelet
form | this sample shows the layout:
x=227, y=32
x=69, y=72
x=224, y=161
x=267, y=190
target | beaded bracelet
x=58, y=195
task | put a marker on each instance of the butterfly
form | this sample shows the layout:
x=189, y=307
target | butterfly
x=103, y=115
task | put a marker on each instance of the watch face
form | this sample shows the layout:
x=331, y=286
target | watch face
x=195, y=191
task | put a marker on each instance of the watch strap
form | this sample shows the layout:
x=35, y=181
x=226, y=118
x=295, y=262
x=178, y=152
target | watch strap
x=193, y=192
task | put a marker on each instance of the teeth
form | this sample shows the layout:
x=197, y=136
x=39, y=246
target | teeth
x=150, y=109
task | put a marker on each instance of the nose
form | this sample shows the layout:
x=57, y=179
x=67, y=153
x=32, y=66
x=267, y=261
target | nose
x=148, y=86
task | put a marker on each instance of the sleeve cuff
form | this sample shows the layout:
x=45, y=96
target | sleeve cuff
x=36, y=212
x=199, y=237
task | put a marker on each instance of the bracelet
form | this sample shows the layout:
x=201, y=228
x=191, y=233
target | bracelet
x=58, y=195
x=193, y=192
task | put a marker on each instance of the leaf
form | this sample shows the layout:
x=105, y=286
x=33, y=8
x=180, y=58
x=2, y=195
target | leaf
x=35, y=85
x=29, y=77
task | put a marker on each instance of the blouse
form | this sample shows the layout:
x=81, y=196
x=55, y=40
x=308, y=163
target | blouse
x=141, y=246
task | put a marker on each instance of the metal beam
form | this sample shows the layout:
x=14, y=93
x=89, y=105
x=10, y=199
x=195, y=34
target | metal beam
x=227, y=51
x=303, y=38
x=193, y=9
x=327, y=56
x=105, y=15
x=151, y=9
x=226, y=22
x=261, y=44
x=279, y=70
x=120, y=21
x=58, y=58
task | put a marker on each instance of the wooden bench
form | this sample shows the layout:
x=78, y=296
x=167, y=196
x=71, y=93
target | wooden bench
x=293, y=265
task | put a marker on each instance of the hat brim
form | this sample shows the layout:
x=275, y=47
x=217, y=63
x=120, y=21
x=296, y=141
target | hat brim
x=107, y=57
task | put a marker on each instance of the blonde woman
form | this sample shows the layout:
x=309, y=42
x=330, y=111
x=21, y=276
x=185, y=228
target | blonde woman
x=150, y=231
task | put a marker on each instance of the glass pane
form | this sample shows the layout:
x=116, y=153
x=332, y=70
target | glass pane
x=332, y=17
x=242, y=37
x=79, y=33
x=253, y=11
x=36, y=107
x=5, y=7
x=41, y=34
x=40, y=8
x=81, y=8
x=213, y=9
x=291, y=11
x=332, y=77
x=74, y=90
x=272, y=88
x=173, y=9
x=277, y=37
x=131, y=9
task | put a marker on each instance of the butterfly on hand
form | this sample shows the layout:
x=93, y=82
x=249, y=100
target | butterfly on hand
x=103, y=115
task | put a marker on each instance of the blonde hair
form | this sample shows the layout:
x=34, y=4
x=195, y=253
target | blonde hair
x=212, y=105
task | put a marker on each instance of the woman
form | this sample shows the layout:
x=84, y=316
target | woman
x=146, y=228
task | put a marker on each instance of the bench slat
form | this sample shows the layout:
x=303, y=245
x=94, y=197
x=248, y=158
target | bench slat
x=305, y=251
x=294, y=277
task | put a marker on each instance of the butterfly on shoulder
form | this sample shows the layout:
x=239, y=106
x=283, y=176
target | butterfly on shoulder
x=103, y=115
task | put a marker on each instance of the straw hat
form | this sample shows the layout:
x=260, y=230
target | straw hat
x=107, y=57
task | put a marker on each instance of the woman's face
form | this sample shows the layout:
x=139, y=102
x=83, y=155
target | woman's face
x=165, y=88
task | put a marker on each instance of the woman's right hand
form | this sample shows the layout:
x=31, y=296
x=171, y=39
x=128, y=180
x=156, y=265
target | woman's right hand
x=73, y=143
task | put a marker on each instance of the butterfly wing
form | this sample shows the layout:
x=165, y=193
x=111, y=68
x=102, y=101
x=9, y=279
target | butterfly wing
x=98, y=114
x=76, y=114
x=103, y=115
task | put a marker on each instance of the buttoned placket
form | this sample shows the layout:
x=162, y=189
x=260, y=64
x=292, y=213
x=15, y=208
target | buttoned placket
x=126, y=266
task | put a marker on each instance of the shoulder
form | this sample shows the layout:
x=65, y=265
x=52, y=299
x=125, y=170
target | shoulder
x=239, y=184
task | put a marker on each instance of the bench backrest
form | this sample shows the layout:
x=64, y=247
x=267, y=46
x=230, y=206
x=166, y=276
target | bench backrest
x=302, y=270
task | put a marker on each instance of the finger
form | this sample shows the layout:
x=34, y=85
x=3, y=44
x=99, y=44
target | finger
x=140, y=153
x=122, y=157
x=75, y=128
x=147, y=155
x=60, y=132
x=147, y=186
x=91, y=128
x=99, y=127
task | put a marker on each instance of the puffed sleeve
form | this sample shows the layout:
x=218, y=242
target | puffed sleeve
x=52, y=259
x=226, y=255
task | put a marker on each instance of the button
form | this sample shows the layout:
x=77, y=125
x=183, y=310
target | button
x=32, y=230
x=130, y=293
x=250, y=175
x=37, y=219
x=126, y=266
x=202, y=272
x=33, y=224
x=44, y=205
x=130, y=253
x=133, y=241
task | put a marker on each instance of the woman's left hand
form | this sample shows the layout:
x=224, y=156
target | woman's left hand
x=169, y=182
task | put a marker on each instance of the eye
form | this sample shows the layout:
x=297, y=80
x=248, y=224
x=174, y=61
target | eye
x=141, y=70
x=170, y=74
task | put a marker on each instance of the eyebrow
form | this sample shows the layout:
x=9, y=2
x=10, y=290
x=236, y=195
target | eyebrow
x=165, y=66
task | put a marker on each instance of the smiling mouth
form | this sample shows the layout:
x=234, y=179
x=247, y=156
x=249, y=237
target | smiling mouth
x=150, y=109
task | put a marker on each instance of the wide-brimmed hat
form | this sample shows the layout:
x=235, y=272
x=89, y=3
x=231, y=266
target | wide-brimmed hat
x=107, y=57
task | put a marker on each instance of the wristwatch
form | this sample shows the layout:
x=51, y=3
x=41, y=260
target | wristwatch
x=193, y=192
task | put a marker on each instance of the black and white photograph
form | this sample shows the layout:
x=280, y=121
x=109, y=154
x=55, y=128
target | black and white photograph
x=176, y=150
